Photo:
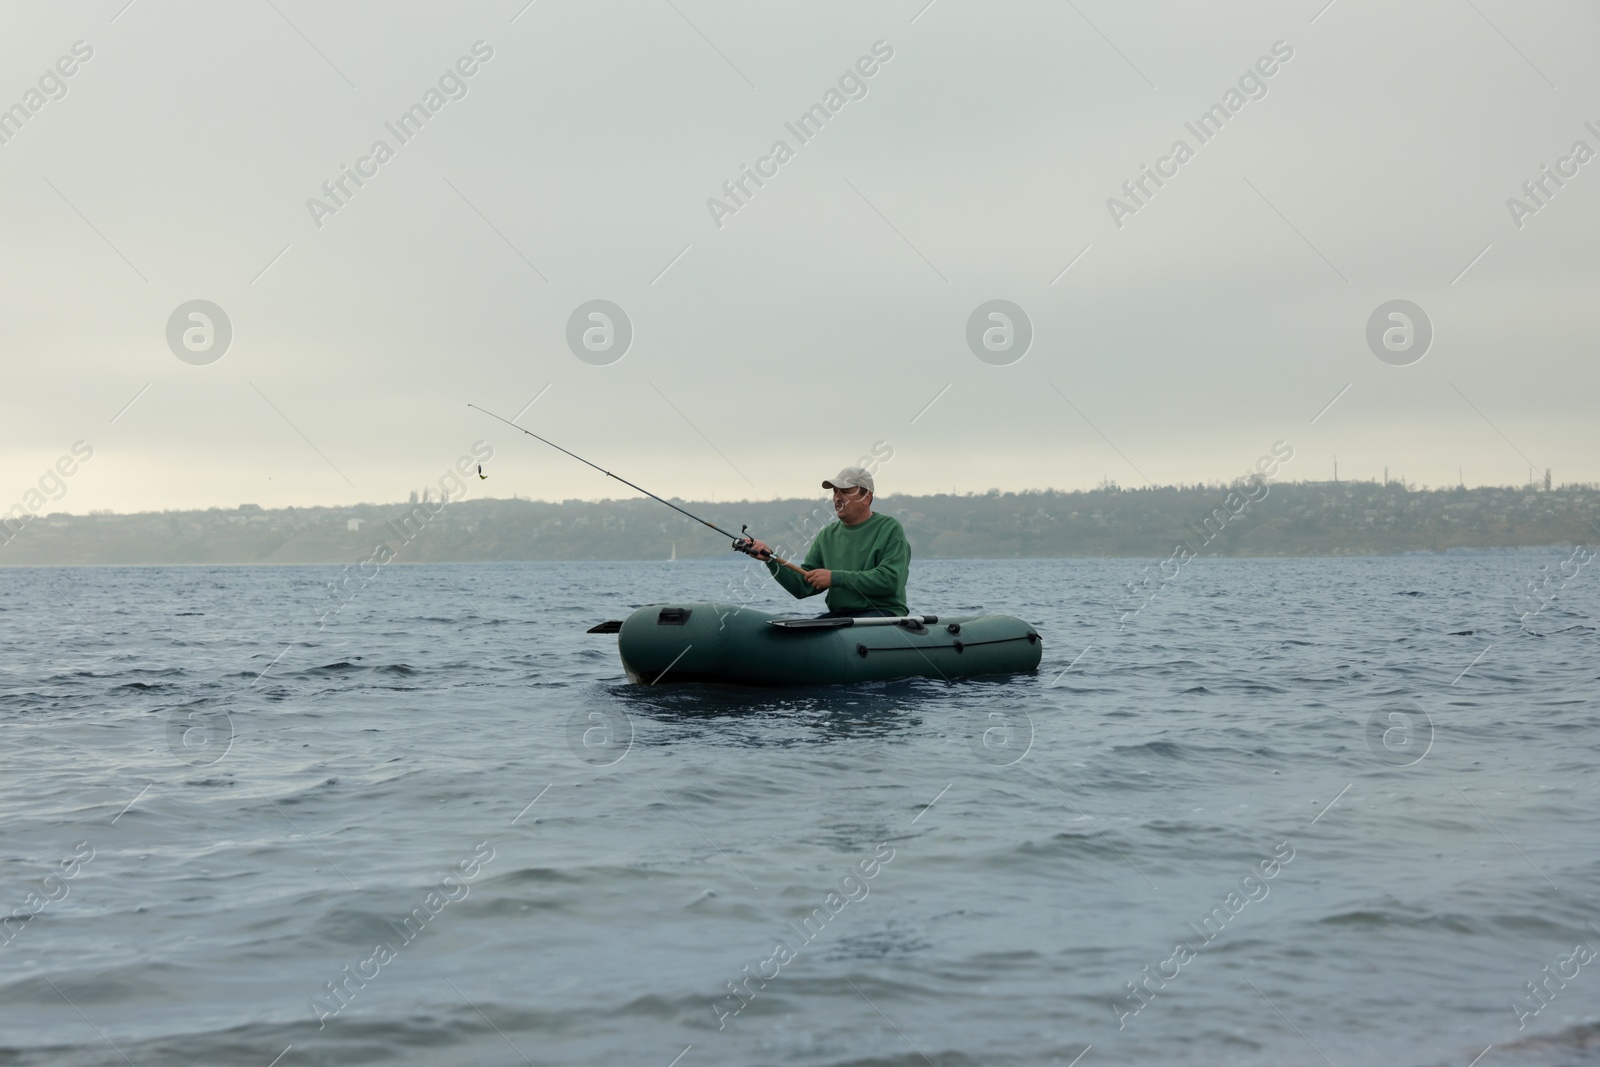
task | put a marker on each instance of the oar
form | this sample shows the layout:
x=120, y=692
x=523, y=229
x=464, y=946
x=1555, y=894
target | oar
x=860, y=620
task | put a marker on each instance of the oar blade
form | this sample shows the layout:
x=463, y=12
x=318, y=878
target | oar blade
x=811, y=624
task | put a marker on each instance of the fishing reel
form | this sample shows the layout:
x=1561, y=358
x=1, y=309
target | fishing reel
x=743, y=544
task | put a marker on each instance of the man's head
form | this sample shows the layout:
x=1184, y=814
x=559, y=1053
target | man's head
x=852, y=495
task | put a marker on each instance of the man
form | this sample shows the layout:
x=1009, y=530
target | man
x=861, y=560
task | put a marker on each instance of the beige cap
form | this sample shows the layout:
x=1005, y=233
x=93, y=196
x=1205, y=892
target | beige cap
x=850, y=478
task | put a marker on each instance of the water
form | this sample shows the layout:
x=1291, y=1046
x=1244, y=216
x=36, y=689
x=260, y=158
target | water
x=218, y=807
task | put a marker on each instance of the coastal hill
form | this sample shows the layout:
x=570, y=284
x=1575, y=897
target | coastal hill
x=1291, y=519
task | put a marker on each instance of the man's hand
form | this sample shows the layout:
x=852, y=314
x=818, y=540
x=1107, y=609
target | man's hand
x=819, y=578
x=760, y=549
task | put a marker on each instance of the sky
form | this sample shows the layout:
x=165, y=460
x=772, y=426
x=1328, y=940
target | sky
x=753, y=341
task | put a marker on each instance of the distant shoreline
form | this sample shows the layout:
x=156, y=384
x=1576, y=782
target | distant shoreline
x=736, y=560
x=1292, y=520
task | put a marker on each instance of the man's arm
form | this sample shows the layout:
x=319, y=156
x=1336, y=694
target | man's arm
x=794, y=582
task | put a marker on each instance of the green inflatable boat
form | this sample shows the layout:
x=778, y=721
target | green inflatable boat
x=725, y=643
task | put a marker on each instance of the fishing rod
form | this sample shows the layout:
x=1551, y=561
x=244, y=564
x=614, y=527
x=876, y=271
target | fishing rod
x=740, y=544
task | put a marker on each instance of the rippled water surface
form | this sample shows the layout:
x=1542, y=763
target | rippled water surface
x=449, y=800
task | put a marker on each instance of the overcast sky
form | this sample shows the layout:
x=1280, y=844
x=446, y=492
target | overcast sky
x=777, y=337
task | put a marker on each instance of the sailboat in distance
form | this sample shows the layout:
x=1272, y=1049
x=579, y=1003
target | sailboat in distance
x=674, y=557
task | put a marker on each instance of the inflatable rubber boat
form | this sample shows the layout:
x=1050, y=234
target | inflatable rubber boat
x=726, y=643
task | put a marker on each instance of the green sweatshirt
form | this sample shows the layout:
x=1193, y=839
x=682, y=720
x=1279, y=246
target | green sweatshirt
x=869, y=564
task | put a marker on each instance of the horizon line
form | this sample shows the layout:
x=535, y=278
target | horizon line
x=1110, y=487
